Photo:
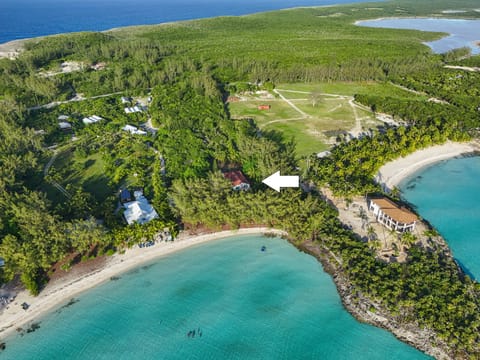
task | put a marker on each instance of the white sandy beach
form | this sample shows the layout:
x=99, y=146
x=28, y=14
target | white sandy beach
x=12, y=48
x=392, y=173
x=62, y=290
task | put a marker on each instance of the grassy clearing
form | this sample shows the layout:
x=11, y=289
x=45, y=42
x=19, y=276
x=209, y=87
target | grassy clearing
x=249, y=109
x=87, y=173
x=313, y=133
x=305, y=133
x=348, y=89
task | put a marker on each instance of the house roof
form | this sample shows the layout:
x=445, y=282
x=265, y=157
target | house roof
x=396, y=212
x=91, y=119
x=139, y=211
x=236, y=177
x=133, y=130
x=125, y=194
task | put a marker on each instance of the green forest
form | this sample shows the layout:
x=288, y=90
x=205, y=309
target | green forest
x=187, y=71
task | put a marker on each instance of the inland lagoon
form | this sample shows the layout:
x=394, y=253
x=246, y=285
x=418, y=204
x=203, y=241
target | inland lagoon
x=227, y=299
x=463, y=33
x=447, y=195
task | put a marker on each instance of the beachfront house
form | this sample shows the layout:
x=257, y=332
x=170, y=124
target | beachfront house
x=238, y=180
x=139, y=211
x=392, y=215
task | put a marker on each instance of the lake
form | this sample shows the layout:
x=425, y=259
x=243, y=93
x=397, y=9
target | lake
x=30, y=18
x=463, y=33
x=241, y=302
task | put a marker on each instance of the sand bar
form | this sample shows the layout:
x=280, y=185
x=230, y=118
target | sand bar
x=63, y=290
x=392, y=173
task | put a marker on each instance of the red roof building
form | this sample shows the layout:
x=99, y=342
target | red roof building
x=238, y=180
x=263, y=107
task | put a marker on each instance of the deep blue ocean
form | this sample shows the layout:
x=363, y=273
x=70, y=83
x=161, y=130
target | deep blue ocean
x=30, y=18
x=447, y=195
x=242, y=303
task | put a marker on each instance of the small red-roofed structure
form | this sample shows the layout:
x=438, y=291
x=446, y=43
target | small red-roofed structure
x=238, y=180
x=263, y=107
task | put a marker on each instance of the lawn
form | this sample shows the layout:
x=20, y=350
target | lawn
x=348, y=88
x=305, y=132
x=86, y=172
x=328, y=115
x=248, y=109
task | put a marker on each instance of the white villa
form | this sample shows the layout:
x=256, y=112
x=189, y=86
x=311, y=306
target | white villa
x=139, y=211
x=133, y=130
x=134, y=109
x=65, y=125
x=391, y=215
x=91, y=119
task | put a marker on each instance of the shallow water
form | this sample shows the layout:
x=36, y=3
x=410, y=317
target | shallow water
x=248, y=304
x=30, y=18
x=447, y=195
x=463, y=33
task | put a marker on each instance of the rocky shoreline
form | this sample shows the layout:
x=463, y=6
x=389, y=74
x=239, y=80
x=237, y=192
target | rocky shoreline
x=360, y=307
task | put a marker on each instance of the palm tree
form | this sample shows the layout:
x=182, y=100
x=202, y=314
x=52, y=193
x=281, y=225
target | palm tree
x=372, y=235
x=408, y=239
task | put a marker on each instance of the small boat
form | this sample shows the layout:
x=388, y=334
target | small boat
x=264, y=248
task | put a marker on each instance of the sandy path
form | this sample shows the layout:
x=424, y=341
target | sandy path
x=466, y=68
x=63, y=290
x=392, y=173
x=292, y=105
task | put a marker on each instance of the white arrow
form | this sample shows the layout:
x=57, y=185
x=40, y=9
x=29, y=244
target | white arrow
x=276, y=181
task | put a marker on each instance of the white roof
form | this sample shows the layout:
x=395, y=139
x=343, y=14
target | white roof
x=91, y=119
x=133, y=130
x=134, y=109
x=129, y=128
x=63, y=117
x=323, y=154
x=64, y=125
x=139, y=211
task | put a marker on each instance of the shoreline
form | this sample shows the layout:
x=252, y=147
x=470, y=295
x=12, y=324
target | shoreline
x=360, y=306
x=64, y=289
x=11, y=49
x=7, y=50
x=394, y=172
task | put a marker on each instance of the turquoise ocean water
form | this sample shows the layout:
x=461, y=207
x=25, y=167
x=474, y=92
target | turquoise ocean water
x=447, y=195
x=247, y=304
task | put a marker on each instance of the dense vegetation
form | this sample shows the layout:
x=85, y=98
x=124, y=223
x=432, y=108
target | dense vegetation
x=187, y=69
